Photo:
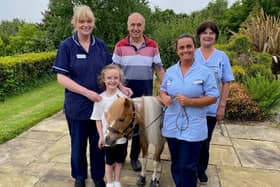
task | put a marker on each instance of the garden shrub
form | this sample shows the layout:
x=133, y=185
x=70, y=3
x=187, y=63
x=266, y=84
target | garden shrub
x=17, y=71
x=241, y=106
x=255, y=63
x=263, y=58
x=263, y=31
x=265, y=92
x=253, y=70
x=239, y=73
x=232, y=57
x=239, y=43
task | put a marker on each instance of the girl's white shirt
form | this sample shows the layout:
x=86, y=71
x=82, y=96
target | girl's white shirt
x=101, y=107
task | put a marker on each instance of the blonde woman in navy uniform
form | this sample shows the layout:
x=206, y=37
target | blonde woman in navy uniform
x=80, y=59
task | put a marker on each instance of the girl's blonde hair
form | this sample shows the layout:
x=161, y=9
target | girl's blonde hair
x=81, y=12
x=110, y=67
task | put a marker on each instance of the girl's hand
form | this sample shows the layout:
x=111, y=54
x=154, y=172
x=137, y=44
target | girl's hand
x=101, y=143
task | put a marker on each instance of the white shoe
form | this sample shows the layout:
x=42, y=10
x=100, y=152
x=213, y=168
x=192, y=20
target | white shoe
x=110, y=185
x=117, y=184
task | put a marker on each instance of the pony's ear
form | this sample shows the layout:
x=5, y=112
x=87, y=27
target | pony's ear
x=126, y=102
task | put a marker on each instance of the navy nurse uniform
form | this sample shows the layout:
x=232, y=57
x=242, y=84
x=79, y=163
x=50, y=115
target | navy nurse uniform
x=83, y=68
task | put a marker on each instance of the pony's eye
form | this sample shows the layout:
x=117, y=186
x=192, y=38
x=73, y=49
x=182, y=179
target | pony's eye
x=121, y=119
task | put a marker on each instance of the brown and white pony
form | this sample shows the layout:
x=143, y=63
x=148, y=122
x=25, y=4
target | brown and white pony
x=147, y=112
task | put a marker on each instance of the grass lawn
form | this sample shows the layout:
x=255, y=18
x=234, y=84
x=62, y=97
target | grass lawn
x=21, y=112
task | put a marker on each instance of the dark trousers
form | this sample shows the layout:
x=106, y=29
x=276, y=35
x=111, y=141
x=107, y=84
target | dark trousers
x=204, y=154
x=184, y=159
x=135, y=144
x=80, y=132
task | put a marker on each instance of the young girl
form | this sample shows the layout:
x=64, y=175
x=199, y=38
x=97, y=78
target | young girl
x=111, y=77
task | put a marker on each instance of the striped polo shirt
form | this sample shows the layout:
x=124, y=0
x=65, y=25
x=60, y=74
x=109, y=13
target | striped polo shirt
x=138, y=64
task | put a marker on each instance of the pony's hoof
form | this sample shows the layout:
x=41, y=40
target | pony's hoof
x=154, y=183
x=141, y=181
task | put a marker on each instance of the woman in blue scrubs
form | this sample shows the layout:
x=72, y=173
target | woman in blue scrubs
x=80, y=59
x=218, y=62
x=186, y=90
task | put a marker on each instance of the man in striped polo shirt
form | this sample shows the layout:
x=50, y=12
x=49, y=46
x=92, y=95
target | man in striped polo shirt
x=138, y=56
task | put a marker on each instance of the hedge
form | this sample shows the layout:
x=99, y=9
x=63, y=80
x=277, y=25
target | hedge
x=16, y=71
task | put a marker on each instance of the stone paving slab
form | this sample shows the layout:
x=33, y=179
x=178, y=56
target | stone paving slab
x=258, y=154
x=259, y=131
x=221, y=140
x=38, y=168
x=248, y=177
x=213, y=177
x=12, y=180
x=240, y=156
x=56, y=123
x=223, y=156
x=59, y=151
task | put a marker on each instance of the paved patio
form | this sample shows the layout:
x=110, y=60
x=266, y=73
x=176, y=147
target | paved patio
x=241, y=156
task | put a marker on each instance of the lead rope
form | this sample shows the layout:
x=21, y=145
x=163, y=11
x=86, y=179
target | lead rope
x=182, y=120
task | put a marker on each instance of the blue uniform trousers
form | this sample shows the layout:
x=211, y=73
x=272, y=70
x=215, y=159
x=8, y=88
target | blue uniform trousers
x=184, y=159
x=80, y=132
x=204, y=154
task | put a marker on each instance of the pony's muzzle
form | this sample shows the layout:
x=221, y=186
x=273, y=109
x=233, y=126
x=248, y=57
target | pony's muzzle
x=110, y=141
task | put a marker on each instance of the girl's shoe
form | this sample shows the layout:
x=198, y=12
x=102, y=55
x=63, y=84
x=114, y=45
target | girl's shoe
x=117, y=184
x=110, y=185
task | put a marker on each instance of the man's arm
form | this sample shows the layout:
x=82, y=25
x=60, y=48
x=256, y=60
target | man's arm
x=159, y=72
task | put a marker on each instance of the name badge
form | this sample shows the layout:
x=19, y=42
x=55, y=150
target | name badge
x=81, y=56
x=198, y=81
x=168, y=82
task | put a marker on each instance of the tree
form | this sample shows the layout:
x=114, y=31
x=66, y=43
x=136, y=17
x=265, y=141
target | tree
x=2, y=47
x=56, y=21
x=111, y=18
x=29, y=38
x=9, y=28
x=241, y=9
x=271, y=7
x=111, y=24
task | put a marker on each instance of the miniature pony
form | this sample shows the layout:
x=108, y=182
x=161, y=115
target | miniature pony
x=147, y=112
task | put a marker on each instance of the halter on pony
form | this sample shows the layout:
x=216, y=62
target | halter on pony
x=127, y=132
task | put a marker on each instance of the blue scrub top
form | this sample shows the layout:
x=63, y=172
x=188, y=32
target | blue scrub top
x=219, y=63
x=83, y=68
x=187, y=123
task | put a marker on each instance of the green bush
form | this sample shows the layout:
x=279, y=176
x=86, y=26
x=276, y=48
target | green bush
x=167, y=33
x=239, y=73
x=239, y=44
x=265, y=92
x=17, y=71
x=240, y=106
x=257, y=63
x=259, y=69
